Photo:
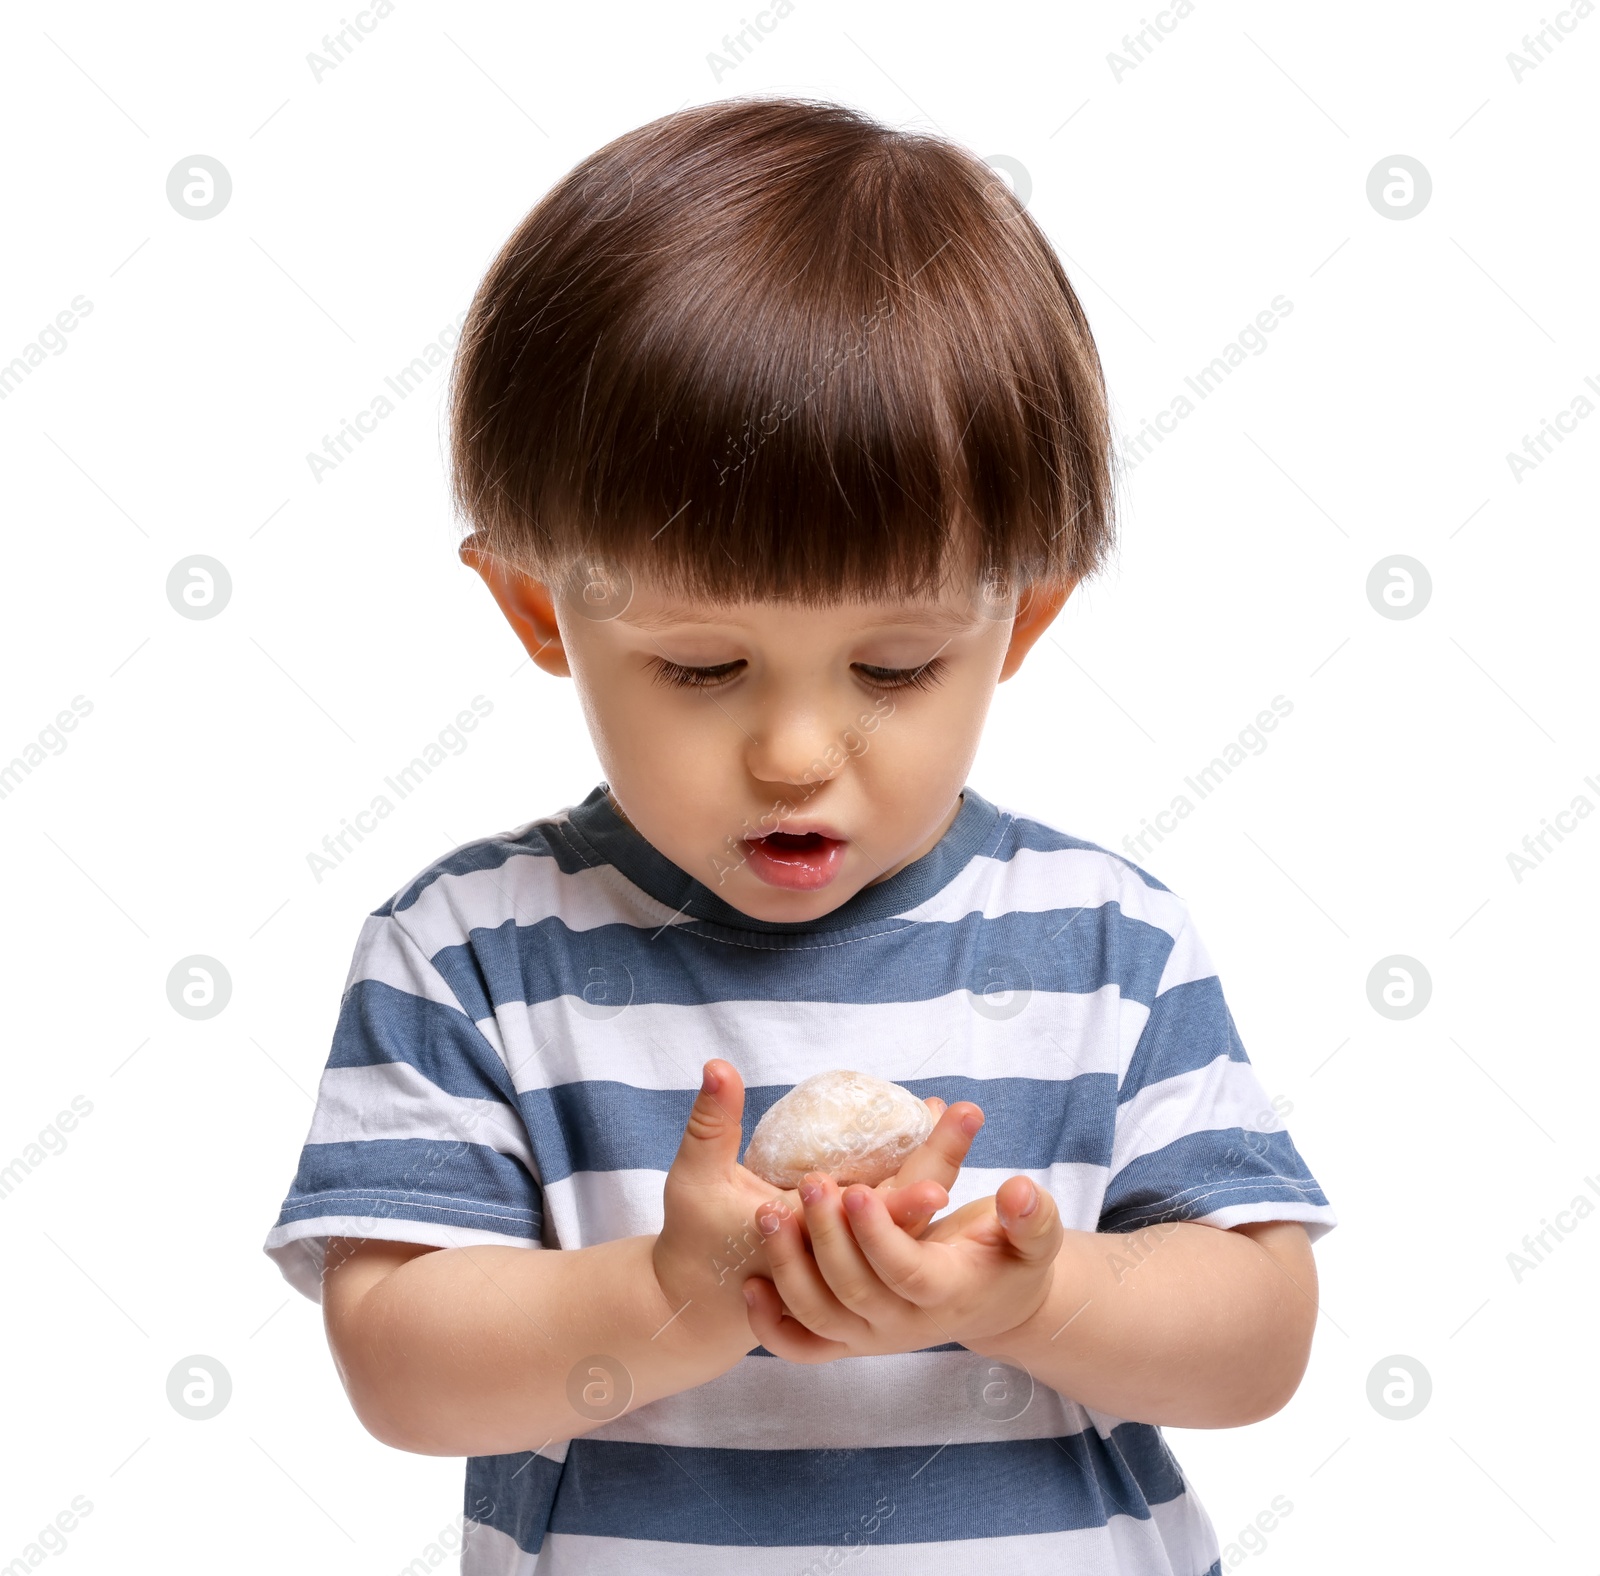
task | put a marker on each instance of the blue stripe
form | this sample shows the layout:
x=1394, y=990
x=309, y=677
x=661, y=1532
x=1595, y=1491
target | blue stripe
x=1202, y=1172
x=766, y=1498
x=788, y=1498
x=1077, y=950
x=513, y=1493
x=1030, y=1123
x=379, y=1023
x=1189, y=1027
x=443, y=1181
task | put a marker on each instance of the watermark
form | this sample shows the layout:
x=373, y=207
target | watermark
x=1398, y=1387
x=755, y=432
x=1399, y=587
x=50, y=740
x=740, y=1249
x=737, y=47
x=341, y=45
x=199, y=186
x=1153, y=32
x=1252, y=1538
x=404, y=383
x=1536, y=845
x=1537, y=447
x=51, y=340
x=1399, y=186
x=871, y=1523
x=599, y=1387
x=452, y=1538
x=51, y=1140
x=1017, y=181
x=199, y=987
x=999, y=1392
x=1249, y=342
x=1537, y=1246
x=1399, y=986
x=199, y=587
x=52, y=1537
x=1539, y=47
x=199, y=1387
x=1008, y=991
x=449, y=741
x=1249, y=741
x=1138, y=1247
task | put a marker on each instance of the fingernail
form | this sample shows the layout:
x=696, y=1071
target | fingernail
x=767, y=1224
x=810, y=1192
x=709, y=1082
x=970, y=1124
x=1032, y=1204
x=749, y=1297
x=855, y=1202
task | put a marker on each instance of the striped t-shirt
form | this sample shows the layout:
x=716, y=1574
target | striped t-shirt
x=518, y=1046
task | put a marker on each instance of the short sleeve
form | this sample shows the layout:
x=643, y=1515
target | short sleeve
x=1197, y=1138
x=417, y=1135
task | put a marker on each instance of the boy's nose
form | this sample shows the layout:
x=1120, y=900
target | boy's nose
x=794, y=746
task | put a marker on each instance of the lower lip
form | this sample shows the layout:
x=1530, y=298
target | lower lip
x=801, y=864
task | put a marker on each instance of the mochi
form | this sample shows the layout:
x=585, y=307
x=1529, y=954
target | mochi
x=854, y=1127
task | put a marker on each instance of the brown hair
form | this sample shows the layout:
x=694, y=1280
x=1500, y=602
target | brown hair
x=768, y=347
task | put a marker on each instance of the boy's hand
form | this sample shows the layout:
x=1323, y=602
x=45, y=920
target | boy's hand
x=866, y=1288
x=710, y=1243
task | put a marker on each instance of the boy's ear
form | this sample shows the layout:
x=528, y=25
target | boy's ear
x=527, y=605
x=1036, y=610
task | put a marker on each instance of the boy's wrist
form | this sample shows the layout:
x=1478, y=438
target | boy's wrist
x=699, y=1315
x=1039, y=1327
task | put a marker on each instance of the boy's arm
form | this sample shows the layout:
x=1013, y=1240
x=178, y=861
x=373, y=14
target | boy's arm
x=1180, y=1324
x=470, y=1351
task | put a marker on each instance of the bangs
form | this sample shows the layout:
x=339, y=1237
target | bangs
x=772, y=349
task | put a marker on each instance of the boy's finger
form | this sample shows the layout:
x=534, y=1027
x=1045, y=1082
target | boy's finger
x=781, y=1335
x=914, y=1205
x=939, y=1157
x=1037, y=1233
x=898, y=1260
x=710, y=1143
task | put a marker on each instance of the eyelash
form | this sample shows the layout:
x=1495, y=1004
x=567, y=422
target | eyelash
x=681, y=677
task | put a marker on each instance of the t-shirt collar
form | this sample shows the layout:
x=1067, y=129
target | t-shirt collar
x=597, y=824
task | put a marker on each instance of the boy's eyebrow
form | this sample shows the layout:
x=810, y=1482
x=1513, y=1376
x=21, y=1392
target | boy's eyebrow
x=932, y=617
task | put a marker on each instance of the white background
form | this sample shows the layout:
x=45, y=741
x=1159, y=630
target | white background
x=1228, y=168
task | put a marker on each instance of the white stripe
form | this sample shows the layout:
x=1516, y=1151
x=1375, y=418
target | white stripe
x=1035, y=881
x=1318, y=1219
x=1222, y=1094
x=394, y=1100
x=1187, y=961
x=1177, y=1540
x=655, y=1045
x=385, y=952
x=856, y=1403
x=300, y=1247
x=587, y=1207
x=529, y=887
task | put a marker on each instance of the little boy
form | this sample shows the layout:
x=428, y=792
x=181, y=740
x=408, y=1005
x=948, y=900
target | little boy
x=783, y=434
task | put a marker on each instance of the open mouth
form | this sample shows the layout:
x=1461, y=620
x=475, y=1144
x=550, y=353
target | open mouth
x=800, y=861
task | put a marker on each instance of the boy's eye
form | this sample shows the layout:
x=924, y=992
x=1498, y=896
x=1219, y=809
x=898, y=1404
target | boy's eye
x=682, y=676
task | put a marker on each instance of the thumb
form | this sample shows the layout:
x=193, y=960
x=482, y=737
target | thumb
x=1030, y=1218
x=711, y=1137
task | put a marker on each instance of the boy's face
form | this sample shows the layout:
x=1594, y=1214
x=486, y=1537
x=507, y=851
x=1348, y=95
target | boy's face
x=784, y=756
